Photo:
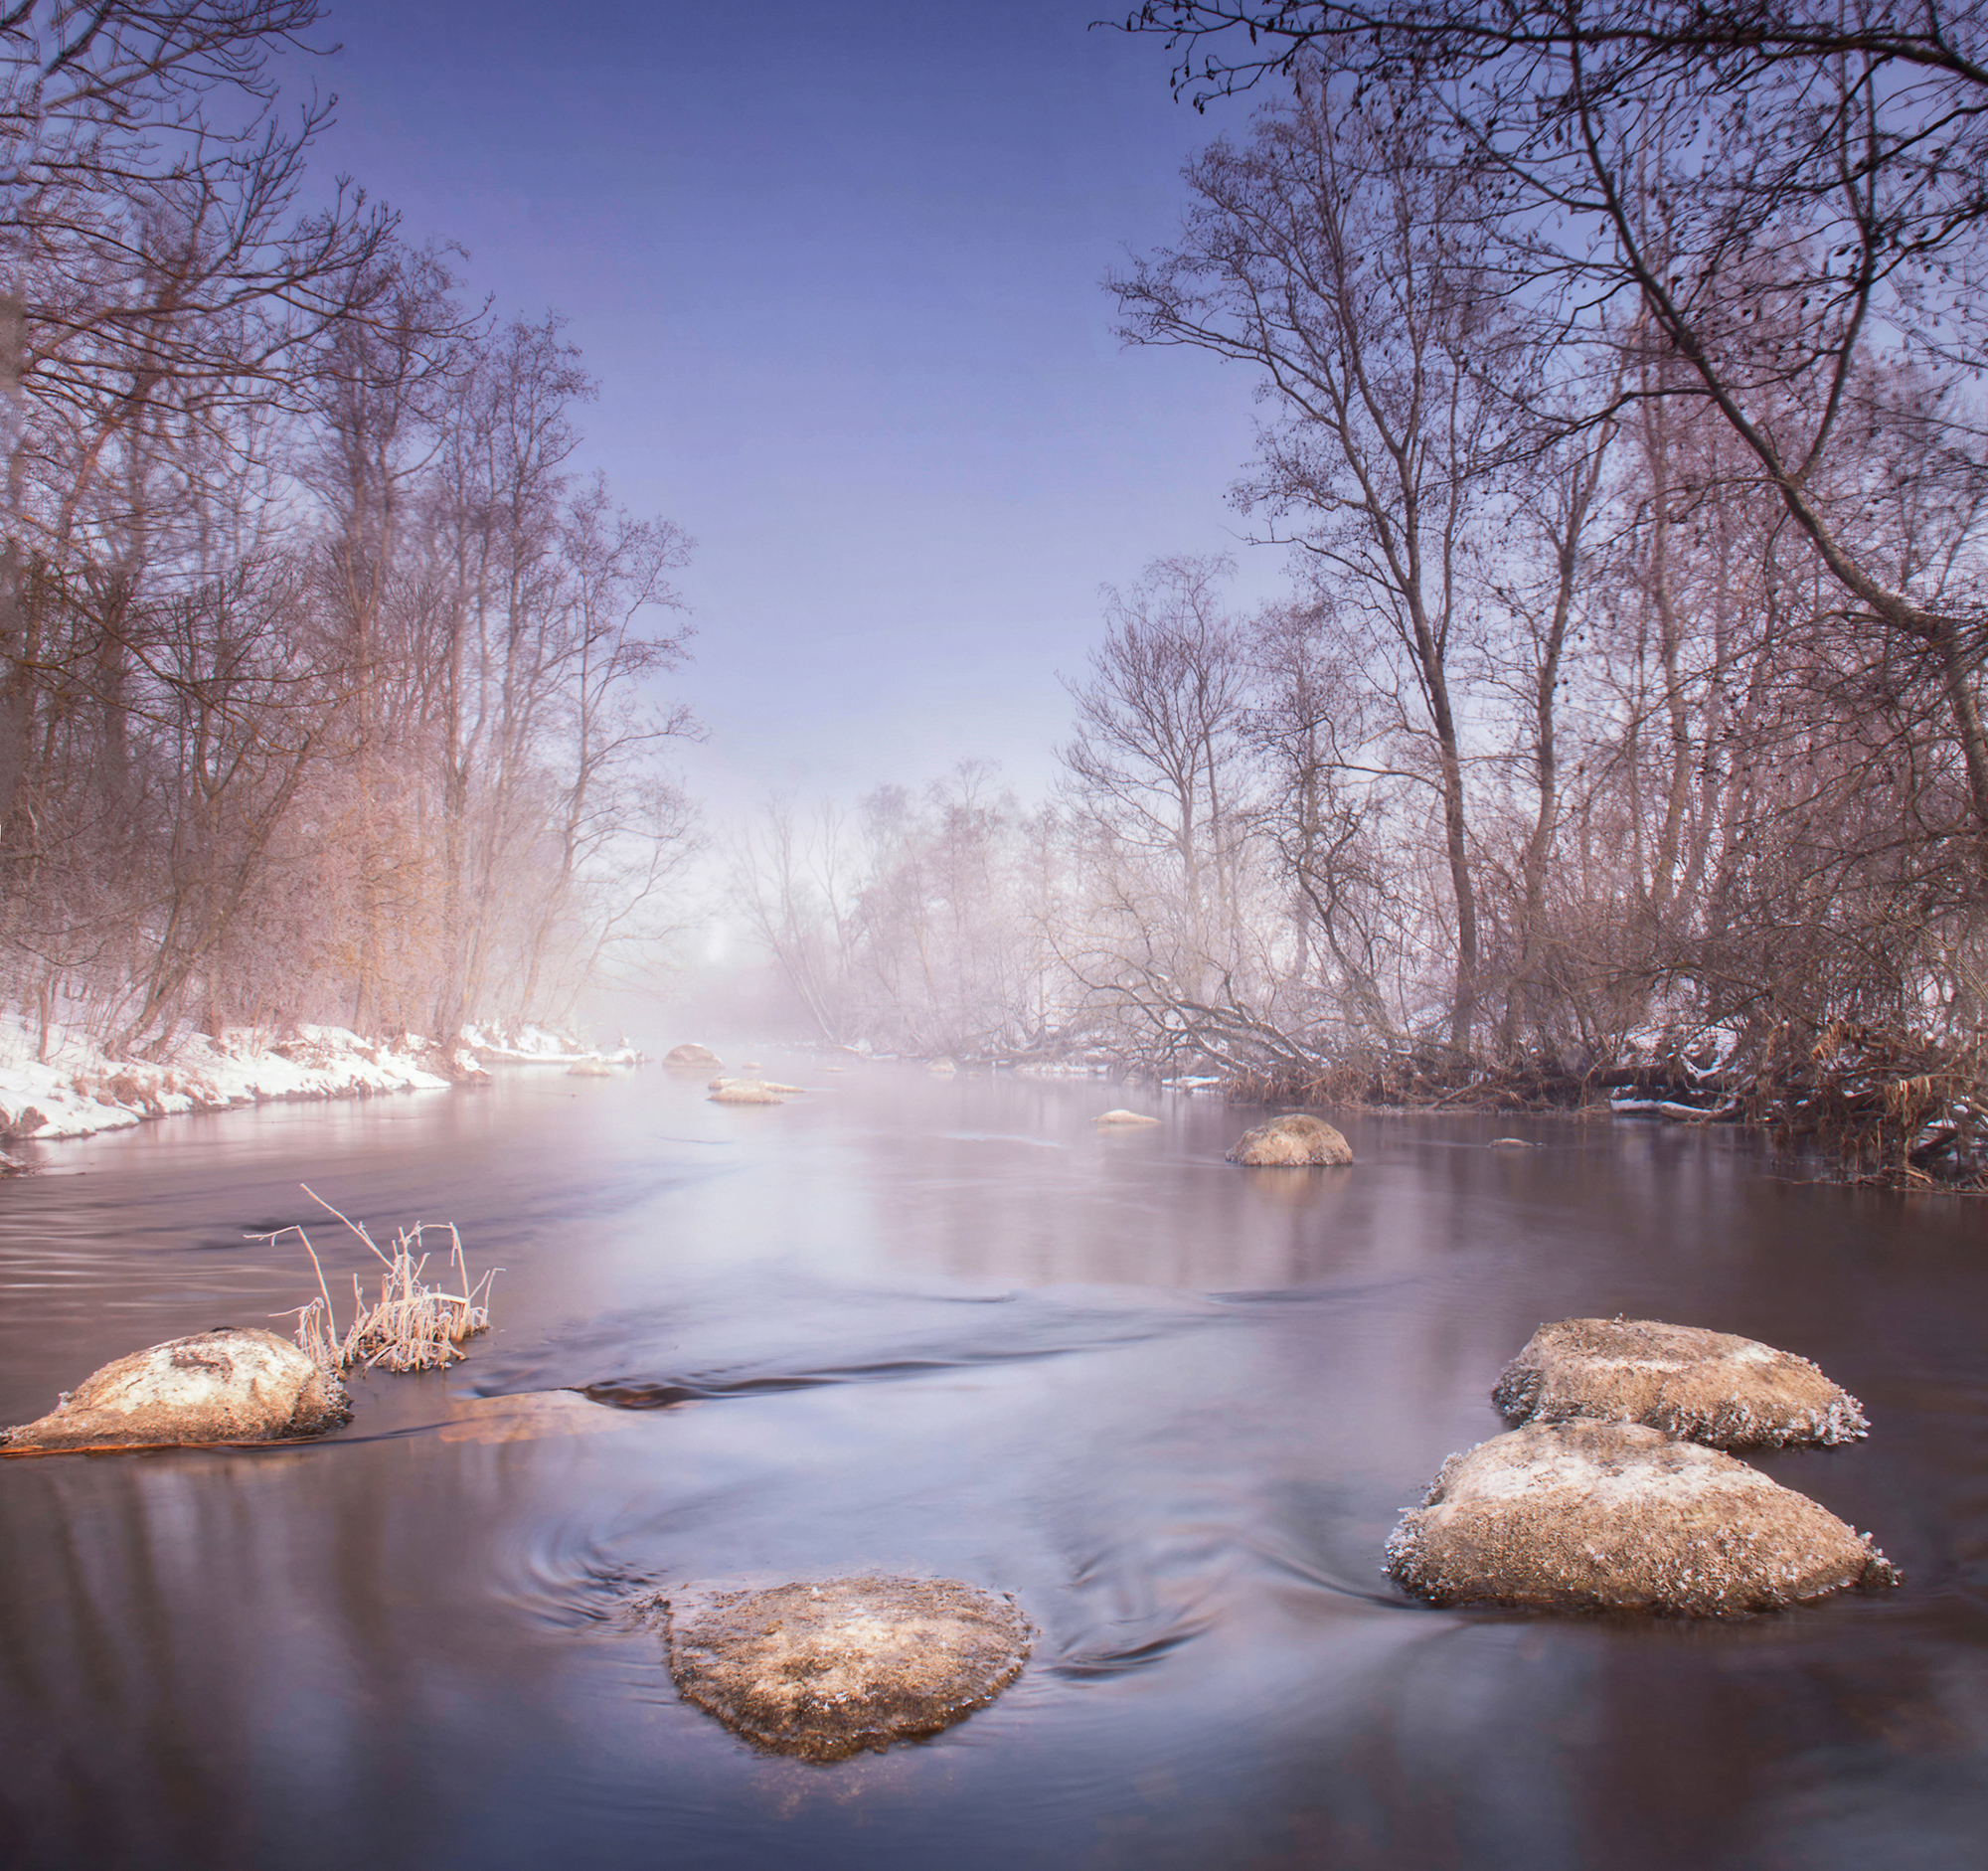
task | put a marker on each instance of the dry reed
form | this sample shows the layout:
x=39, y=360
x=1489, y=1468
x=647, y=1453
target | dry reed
x=410, y=1326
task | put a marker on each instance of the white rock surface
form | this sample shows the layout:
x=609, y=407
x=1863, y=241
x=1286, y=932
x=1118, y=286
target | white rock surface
x=224, y=1386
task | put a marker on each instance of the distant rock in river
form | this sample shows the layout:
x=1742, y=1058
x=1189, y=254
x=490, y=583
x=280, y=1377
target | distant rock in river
x=826, y=1671
x=1587, y=1515
x=1296, y=1140
x=1733, y=1392
x=224, y=1386
x=744, y=1091
x=1123, y=1117
x=689, y=1053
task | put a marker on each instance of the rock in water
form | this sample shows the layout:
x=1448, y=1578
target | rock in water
x=1123, y=1117
x=744, y=1091
x=1294, y=1140
x=1710, y=1385
x=689, y=1053
x=826, y=1671
x=589, y=1069
x=1613, y=1516
x=224, y=1386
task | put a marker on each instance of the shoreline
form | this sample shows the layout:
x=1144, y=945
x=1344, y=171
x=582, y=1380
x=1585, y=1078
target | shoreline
x=79, y=1092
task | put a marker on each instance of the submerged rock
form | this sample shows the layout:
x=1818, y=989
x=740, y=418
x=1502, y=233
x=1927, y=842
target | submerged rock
x=589, y=1069
x=529, y=1417
x=1293, y=1140
x=1587, y=1515
x=827, y=1671
x=224, y=1386
x=1123, y=1117
x=1733, y=1392
x=744, y=1091
x=689, y=1053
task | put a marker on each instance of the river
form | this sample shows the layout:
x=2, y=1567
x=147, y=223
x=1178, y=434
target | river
x=947, y=1326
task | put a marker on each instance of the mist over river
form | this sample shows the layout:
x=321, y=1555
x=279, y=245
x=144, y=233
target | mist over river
x=946, y=1326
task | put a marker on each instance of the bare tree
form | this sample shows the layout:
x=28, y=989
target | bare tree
x=1155, y=761
x=1339, y=259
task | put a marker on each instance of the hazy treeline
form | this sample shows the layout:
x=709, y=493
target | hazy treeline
x=1619, y=410
x=320, y=670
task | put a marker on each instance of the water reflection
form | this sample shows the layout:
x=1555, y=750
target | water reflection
x=919, y=1324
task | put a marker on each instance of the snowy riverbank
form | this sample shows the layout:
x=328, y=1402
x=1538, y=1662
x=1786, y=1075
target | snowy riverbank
x=78, y=1091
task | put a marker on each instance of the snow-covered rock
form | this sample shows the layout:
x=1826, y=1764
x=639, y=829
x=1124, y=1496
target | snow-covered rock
x=1294, y=1140
x=824, y=1671
x=1123, y=1117
x=224, y=1386
x=1587, y=1515
x=1713, y=1387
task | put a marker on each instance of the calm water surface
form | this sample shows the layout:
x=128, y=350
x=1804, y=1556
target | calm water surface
x=944, y=1327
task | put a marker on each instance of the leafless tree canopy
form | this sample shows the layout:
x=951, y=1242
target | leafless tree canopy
x=326, y=687
x=1617, y=370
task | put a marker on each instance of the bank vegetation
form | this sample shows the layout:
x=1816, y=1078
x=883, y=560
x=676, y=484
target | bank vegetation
x=1619, y=741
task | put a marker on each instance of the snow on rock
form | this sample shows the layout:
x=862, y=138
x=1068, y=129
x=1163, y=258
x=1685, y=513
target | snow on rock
x=1122, y=1116
x=223, y=1386
x=1613, y=1516
x=1713, y=1387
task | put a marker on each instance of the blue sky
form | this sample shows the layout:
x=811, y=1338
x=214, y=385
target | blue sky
x=838, y=272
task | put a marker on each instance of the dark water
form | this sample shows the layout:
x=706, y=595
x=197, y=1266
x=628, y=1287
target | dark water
x=944, y=1326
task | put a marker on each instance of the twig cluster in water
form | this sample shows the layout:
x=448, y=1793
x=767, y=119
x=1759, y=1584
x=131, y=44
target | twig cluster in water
x=410, y=1326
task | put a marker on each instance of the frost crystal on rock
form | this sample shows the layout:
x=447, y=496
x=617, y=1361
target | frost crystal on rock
x=1733, y=1392
x=1588, y=1515
x=825, y=1671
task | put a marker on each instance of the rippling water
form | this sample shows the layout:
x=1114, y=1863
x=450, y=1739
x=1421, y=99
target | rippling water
x=944, y=1327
